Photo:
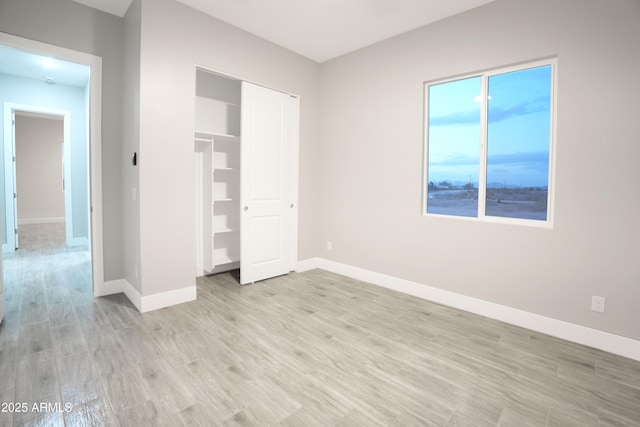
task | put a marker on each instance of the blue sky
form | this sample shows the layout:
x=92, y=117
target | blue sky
x=518, y=129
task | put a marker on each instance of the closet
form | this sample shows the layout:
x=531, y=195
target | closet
x=246, y=173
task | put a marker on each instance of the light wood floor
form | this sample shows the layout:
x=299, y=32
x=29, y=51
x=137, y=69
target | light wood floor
x=311, y=349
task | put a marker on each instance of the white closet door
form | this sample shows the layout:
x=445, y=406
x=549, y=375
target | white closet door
x=268, y=189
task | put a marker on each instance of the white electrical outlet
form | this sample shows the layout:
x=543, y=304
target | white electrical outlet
x=329, y=246
x=597, y=304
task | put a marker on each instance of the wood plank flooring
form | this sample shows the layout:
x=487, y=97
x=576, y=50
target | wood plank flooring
x=310, y=349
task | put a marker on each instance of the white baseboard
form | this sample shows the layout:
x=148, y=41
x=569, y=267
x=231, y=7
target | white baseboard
x=51, y=220
x=605, y=341
x=150, y=302
x=167, y=299
x=133, y=294
x=111, y=287
x=307, y=264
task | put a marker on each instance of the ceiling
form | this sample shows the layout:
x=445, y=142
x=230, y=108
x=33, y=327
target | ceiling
x=319, y=29
x=24, y=64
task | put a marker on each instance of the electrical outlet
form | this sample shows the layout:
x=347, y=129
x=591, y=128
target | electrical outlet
x=597, y=304
x=329, y=246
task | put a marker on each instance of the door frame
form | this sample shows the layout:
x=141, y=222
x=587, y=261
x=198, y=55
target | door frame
x=295, y=167
x=95, y=142
x=10, y=166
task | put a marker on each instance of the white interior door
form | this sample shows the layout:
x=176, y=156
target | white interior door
x=268, y=189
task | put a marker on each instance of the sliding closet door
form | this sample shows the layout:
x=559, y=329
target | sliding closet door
x=268, y=189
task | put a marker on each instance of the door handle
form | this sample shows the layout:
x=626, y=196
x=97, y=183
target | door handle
x=246, y=208
x=292, y=206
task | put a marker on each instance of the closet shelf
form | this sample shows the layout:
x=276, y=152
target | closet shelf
x=224, y=230
x=209, y=136
x=226, y=260
x=215, y=169
x=222, y=200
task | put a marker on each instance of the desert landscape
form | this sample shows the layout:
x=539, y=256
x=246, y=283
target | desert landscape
x=517, y=202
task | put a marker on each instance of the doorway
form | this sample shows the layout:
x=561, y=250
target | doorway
x=85, y=208
x=37, y=172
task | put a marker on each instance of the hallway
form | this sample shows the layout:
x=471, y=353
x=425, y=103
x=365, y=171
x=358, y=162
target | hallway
x=44, y=281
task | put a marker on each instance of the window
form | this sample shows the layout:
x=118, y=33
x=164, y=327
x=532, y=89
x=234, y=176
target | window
x=489, y=144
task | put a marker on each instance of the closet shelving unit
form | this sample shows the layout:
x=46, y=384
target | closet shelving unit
x=217, y=143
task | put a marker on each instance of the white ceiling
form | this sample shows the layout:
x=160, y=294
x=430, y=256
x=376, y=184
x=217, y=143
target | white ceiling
x=319, y=29
x=24, y=64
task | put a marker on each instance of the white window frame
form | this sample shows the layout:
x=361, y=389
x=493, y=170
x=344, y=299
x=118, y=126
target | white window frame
x=482, y=175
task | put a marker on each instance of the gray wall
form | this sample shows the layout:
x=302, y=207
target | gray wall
x=130, y=145
x=371, y=146
x=361, y=147
x=74, y=26
x=174, y=40
x=39, y=168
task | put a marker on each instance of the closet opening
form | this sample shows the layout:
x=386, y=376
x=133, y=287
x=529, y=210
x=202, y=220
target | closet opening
x=246, y=176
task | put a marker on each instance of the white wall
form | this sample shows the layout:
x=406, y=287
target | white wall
x=74, y=26
x=174, y=40
x=39, y=169
x=370, y=152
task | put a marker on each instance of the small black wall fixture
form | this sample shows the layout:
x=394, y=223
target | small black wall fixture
x=134, y=159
